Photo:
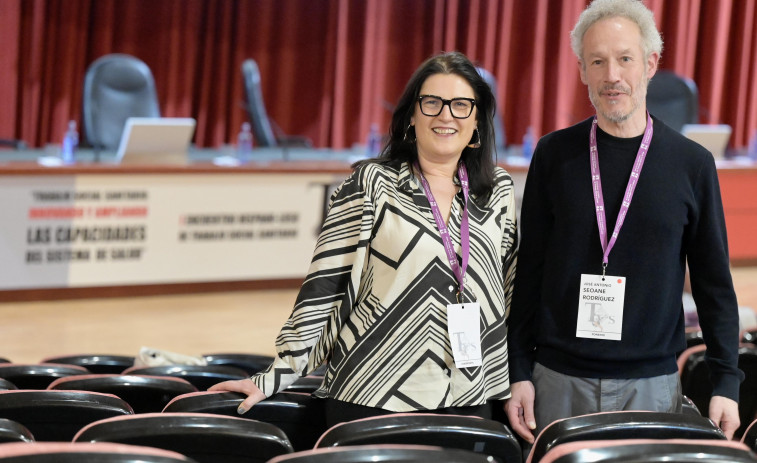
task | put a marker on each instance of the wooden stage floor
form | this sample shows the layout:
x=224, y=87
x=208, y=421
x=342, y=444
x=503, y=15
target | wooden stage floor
x=195, y=324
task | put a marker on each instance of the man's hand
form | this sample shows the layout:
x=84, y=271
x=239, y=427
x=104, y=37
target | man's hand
x=245, y=386
x=520, y=409
x=725, y=413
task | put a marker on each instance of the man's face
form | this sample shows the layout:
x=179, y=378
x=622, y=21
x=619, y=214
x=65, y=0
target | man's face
x=615, y=69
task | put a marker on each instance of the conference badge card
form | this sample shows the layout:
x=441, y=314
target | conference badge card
x=600, y=307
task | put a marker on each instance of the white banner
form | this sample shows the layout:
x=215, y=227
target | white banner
x=104, y=230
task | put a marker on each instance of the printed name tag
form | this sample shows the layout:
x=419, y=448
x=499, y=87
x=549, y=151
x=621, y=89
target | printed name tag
x=464, y=327
x=600, y=307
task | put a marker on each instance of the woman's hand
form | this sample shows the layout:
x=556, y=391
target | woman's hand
x=245, y=386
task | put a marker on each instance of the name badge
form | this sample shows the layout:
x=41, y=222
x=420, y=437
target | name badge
x=464, y=327
x=600, y=307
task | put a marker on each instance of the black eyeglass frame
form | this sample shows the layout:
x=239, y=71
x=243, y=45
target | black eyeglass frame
x=472, y=101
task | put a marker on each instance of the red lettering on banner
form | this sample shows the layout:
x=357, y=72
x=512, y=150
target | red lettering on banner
x=55, y=212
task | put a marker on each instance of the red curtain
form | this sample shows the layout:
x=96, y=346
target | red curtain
x=330, y=68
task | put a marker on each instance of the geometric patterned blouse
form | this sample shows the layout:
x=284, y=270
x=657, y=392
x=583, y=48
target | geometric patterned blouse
x=374, y=303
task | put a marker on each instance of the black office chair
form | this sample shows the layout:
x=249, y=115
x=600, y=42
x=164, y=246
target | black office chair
x=116, y=87
x=673, y=99
x=500, y=141
x=265, y=131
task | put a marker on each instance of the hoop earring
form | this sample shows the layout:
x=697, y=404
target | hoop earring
x=407, y=131
x=477, y=142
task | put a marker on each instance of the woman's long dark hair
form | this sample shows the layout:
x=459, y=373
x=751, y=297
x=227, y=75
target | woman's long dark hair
x=478, y=161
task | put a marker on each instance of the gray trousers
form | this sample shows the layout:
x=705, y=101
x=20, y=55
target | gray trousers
x=561, y=396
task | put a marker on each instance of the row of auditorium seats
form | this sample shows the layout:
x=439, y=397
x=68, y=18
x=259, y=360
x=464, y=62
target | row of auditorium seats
x=214, y=438
x=298, y=416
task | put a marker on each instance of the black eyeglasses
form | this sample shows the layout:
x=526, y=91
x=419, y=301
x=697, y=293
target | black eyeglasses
x=432, y=105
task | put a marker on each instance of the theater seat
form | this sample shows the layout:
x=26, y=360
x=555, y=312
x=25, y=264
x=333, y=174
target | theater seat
x=750, y=435
x=650, y=450
x=203, y=437
x=13, y=431
x=695, y=381
x=300, y=416
x=6, y=385
x=451, y=431
x=101, y=452
x=37, y=376
x=201, y=376
x=144, y=393
x=251, y=363
x=96, y=363
x=383, y=453
x=58, y=415
x=623, y=425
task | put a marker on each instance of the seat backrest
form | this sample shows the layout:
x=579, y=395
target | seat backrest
x=37, y=375
x=100, y=452
x=116, y=87
x=6, y=385
x=144, y=393
x=623, y=425
x=750, y=435
x=300, y=416
x=12, y=431
x=201, y=376
x=262, y=128
x=451, y=431
x=500, y=141
x=695, y=381
x=204, y=437
x=650, y=450
x=58, y=415
x=95, y=363
x=385, y=453
x=673, y=99
x=251, y=363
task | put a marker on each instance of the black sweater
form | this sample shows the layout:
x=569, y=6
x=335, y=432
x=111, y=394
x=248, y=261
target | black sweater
x=676, y=214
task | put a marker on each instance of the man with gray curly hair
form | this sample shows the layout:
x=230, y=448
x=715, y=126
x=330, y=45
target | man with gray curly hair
x=614, y=207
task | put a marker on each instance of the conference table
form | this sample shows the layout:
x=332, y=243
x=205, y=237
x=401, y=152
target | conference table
x=103, y=228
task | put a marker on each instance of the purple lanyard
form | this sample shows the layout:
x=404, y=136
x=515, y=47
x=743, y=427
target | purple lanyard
x=464, y=230
x=599, y=201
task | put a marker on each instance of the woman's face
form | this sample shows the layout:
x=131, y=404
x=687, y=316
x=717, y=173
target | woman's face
x=443, y=137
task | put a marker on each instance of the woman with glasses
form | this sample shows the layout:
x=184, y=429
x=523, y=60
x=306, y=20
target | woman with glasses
x=410, y=283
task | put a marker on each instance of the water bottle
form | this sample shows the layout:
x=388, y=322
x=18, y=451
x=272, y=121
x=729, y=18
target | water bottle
x=751, y=150
x=244, y=143
x=528, y=143
x=373, y=145
x=70, y=142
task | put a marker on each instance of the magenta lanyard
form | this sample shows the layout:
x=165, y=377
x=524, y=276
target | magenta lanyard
x=464, y=230
x=599, y=201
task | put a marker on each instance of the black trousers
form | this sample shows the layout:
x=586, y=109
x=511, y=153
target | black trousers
x=338, y=411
